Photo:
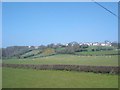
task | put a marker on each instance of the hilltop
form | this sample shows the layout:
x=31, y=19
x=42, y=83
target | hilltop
x=106, y=48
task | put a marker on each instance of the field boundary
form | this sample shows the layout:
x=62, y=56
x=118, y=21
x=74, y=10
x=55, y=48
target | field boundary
x=79, y=68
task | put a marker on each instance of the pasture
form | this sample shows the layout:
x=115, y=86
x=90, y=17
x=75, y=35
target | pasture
x=0, y=77
x=94, y=53
x=68, y=59
x=28, y=78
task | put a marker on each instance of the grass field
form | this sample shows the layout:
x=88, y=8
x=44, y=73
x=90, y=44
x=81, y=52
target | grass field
x=98, y=52
x=28, y=78
x=0, y=78
x=68, y=59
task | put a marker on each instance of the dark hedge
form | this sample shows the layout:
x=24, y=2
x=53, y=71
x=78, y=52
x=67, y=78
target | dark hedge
x=95, y=69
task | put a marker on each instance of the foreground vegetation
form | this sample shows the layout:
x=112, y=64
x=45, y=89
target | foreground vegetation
x=0, y=77
x=72, y=54
x=68, y=59
x=28, y=78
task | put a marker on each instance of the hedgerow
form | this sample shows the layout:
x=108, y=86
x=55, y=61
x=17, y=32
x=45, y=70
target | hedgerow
x=95, y=69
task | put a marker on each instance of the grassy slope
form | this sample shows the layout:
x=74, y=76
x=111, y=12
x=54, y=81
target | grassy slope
x=27, y=78
x=38, y=53
x=49, y=51
x=69, y=59
x=0, y=78
x=98, y=52
x=31, y=52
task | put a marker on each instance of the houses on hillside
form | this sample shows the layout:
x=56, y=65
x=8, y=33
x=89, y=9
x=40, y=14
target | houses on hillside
x=94, y=43
x=98, y=44
x=106, y=43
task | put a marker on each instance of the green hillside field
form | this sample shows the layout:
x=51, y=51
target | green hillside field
x=28, y=78
x=68, y=59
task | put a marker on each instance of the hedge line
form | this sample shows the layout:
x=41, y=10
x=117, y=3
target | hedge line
x=95, y=69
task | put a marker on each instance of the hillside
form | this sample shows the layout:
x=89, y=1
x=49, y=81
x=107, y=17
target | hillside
x=71, y=48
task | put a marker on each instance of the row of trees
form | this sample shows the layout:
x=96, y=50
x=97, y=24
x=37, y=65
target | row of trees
x=14, y=51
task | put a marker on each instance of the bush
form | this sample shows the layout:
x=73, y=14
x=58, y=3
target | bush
x=95, y=69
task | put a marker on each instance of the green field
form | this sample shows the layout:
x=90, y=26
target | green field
x=0, y=77
x=68, y=59
x=111, y=52
x=28, y=78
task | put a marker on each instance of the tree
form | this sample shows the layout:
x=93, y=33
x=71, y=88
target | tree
x=14, y=51
x=84, y=47
x=42, y=47
x=115, y=44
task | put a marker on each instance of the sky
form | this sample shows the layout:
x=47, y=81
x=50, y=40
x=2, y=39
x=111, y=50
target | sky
x=25, y=23
x=0, y=24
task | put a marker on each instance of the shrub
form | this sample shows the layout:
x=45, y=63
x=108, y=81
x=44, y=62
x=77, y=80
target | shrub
x=95, y=69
